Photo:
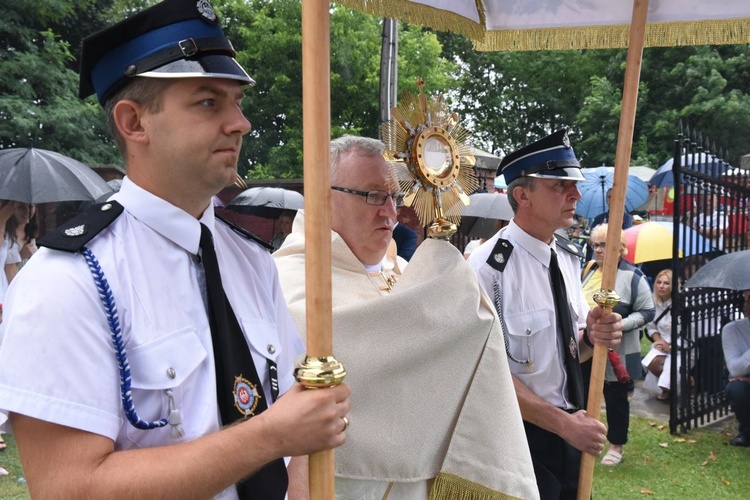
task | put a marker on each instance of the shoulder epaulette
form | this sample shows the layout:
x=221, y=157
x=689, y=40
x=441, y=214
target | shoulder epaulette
x=245, y=233
x=568, y=246
x=74, y=234
x=500, y=255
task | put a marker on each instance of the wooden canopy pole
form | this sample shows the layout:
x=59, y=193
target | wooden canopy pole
x=316, y=123
x=616, y=211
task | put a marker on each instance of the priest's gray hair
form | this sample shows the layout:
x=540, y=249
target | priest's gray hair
x=362, y=146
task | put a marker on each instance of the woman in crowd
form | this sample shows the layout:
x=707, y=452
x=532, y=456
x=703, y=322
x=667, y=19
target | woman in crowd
x=658, y=360
x=637, y=308
x=25, y=237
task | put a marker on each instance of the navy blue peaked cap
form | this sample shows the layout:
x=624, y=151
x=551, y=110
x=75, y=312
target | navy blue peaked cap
x=550, y=157
x=172, y=39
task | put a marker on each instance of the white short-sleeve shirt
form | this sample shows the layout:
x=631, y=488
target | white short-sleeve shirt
x=529, y=308
x=57, y=362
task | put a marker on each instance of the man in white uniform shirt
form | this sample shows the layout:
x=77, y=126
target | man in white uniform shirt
x=735, y=340
x=116, y=366
x=515, y=267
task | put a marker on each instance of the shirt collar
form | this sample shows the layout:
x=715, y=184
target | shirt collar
x=538, y=249
x=166, y=219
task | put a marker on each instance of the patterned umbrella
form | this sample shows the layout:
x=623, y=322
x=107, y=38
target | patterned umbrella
x=653, y=241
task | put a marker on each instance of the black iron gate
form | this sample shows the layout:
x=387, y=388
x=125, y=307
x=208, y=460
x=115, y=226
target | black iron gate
x=710, y=219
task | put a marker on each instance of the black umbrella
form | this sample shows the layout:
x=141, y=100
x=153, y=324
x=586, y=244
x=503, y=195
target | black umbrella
x=268, y=202
x=730, y=271
x=39, y=176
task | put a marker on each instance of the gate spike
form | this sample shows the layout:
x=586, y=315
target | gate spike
x=679, y=129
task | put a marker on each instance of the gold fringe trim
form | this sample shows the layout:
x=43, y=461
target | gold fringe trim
x=669, y=34
x=422, y=15
x=452, y=487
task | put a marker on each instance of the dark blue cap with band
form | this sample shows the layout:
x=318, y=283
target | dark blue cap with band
x=550, y=157
x=172, y=39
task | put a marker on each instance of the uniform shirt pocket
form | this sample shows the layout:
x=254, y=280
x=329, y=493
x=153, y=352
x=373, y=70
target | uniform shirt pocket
x=530, y=338
x=165, y=364
x=265, y=345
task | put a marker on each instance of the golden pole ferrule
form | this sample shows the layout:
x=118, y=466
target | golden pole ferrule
x=317, y=373
x=606, y=299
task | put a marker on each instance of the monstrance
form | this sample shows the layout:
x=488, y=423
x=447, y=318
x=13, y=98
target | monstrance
x=430, y=151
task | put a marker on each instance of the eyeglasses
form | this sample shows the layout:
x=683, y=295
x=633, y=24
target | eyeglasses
x=377, y=198
x=597, y=246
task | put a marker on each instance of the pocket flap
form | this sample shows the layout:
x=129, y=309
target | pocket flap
x=527, y=322
x=166, y=362
x=263, y=337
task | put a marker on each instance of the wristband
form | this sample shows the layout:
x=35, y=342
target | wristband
x=586, y=339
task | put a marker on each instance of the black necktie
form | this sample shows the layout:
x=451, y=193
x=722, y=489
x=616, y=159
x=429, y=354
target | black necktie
x=238, y=387
x=566, y=332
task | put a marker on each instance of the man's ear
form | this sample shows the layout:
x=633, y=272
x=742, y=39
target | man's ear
x=521, y=195
x=128, y=117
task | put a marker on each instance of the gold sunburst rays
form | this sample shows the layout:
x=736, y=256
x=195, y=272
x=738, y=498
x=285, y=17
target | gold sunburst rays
x=432, y=157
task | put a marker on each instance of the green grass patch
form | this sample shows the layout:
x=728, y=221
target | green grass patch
x=656, y=464
x=10, y=487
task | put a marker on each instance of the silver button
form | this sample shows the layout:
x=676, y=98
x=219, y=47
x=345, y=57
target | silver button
x=106, y=206
x=171, y=373
x=271, y=349
x=528, y=331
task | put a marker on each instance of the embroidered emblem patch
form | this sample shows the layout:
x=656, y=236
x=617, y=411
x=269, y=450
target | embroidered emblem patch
x=566, y=141
x=499, y=258
x=75, y=231
x=573, y=348
x=206, y=10
x=245, y=396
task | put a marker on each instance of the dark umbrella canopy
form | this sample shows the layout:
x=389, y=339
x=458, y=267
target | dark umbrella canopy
x=39, y=176
x=730, y=271
x=268, y=202
x=664, y=175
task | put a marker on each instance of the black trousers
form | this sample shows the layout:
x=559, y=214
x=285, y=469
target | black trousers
x=618, y=406
x=556, y=464
x=738, y=393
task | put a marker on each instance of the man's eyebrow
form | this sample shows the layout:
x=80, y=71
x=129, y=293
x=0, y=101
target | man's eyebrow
x=218, y=92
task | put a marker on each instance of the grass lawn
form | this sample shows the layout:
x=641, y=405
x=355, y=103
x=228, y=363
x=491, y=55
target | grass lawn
x=9, y=485
x=698, y=465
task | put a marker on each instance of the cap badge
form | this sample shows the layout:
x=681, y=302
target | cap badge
x=245, y=396
x=75, y=231
x=206, y=10
x=566, y=141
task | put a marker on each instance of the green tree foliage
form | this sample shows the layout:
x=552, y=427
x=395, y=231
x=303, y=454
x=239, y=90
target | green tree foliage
x=267, y=35
x=513, y=98
x=38, y=89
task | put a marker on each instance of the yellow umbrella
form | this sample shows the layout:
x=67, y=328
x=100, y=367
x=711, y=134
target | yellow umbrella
x=495, y=25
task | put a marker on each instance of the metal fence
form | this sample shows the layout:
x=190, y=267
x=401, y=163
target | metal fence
x=710, y=219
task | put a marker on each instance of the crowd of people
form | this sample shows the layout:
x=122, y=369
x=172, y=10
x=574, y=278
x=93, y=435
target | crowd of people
x=149, y=345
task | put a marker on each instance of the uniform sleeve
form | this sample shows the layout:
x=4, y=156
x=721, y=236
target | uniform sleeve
x=55, y=320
